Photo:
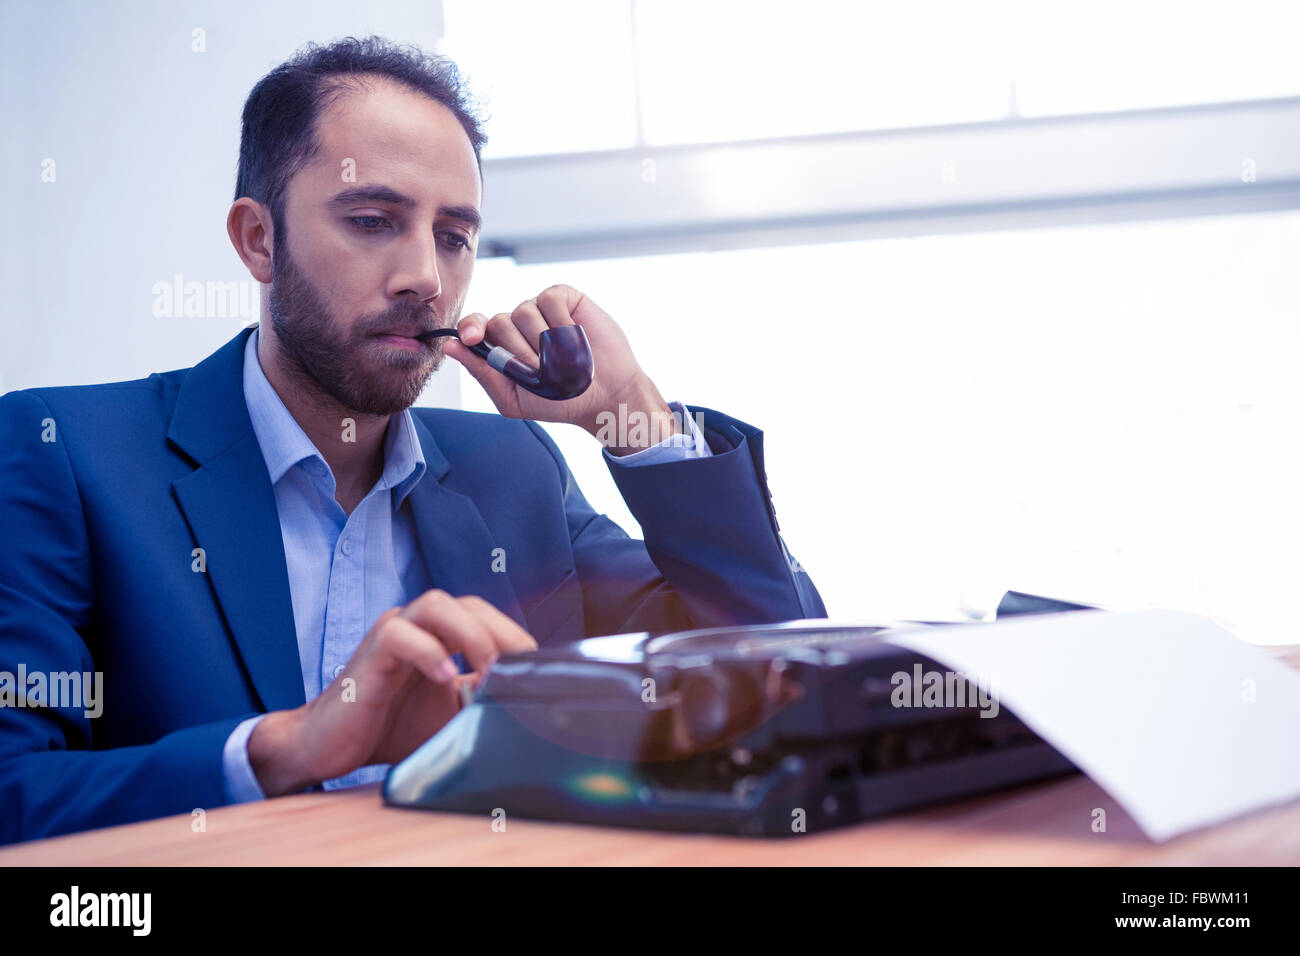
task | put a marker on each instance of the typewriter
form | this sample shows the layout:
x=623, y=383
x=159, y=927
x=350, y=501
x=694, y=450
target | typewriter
x=767, y=730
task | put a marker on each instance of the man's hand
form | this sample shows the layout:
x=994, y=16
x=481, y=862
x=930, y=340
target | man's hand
x=398, y=689
x=620, y=389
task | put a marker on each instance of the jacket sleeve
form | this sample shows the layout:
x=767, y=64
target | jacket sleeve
x=713, y=554
x=52, y=779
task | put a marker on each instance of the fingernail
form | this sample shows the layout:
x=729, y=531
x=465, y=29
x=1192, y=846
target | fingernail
x=450, y=670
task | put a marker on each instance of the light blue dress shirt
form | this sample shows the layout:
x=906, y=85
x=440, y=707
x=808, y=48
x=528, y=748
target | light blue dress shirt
x=346, y=570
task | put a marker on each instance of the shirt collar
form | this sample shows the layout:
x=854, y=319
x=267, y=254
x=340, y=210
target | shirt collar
x=285, y=445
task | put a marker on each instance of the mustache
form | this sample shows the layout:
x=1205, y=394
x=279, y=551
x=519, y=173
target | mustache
x=404, y=315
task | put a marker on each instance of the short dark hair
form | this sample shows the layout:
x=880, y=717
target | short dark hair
x=278, y=136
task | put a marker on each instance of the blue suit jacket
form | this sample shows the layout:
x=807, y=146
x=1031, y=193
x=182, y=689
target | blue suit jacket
x=96, y=571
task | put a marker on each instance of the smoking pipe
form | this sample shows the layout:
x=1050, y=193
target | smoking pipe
x=565, y=362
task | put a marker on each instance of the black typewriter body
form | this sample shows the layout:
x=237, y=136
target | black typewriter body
x=769, y=730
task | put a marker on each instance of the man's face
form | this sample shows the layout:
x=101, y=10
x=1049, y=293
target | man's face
x=383, y=227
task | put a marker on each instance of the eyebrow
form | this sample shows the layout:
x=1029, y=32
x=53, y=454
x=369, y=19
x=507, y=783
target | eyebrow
x=384, y=194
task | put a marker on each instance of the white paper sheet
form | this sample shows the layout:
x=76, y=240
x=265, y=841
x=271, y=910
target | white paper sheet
x=1178, y=720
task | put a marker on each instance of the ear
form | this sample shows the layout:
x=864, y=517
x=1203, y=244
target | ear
x=251, y=233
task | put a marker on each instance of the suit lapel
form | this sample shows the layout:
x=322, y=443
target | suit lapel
x=230, y=506
x=454, y=540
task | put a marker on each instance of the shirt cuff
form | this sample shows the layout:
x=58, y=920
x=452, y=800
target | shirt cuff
x=676, y=447
x=236, y=771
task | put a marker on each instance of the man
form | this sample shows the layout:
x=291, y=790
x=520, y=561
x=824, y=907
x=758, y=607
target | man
x=282, y=571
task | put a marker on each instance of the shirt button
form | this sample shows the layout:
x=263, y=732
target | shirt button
x=338, y=670
x=347, y=545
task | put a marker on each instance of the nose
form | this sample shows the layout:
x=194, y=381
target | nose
x=417, y=275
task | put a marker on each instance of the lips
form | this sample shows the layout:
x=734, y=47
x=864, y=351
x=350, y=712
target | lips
x=409, y=332
x=405, y=343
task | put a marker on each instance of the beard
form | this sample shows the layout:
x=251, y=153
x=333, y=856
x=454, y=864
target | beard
x=349, y=364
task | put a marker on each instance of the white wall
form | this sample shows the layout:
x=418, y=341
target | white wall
x=144, y=132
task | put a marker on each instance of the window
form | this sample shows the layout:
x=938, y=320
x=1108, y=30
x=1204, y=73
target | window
x=1104, y=413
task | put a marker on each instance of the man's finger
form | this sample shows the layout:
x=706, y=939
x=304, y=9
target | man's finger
x=557, y=303
x=443, y=617
x=531, y=324
x=499, y=388
x=502, y=331
x=470, y=329
x=403, y=640
x=509, y=637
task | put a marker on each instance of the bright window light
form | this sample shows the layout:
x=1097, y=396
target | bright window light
x=1104, y=413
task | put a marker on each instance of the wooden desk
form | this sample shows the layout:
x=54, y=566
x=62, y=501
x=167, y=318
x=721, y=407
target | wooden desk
x=1040, y=824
